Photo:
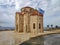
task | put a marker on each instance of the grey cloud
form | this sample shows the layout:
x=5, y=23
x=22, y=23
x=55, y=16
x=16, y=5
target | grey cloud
x=8, y=9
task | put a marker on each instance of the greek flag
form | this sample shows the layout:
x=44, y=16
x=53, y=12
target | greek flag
x=40, y=10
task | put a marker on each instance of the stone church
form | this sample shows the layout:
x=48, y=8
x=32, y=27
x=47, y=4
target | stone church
x=29, y=20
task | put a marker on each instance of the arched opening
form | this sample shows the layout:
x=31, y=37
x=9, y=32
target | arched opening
x=33, y=25
x=39, y=26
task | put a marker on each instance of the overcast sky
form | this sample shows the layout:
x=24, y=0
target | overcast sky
x=9, y=7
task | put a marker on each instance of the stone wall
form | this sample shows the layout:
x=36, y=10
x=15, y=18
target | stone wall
x=26, y=23
x=20, y=23
x=40, y=22
x=17, y=22
x=33, y=20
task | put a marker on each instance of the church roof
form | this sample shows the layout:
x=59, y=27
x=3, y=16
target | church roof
x=36, y=12
x=33, y=13
x=39, y=9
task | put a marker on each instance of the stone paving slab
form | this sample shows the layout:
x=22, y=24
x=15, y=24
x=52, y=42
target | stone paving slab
x=13, y=38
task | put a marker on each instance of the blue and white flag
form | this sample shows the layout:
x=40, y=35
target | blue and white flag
x=40, y=10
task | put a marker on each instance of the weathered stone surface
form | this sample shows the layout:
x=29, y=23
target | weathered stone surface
x=26, y=18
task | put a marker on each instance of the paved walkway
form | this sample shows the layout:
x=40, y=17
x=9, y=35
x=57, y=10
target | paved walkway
x=13, y=38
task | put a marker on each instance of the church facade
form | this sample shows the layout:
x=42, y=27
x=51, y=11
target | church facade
x=29, y=20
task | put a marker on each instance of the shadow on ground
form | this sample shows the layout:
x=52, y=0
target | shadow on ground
x=34, y=41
